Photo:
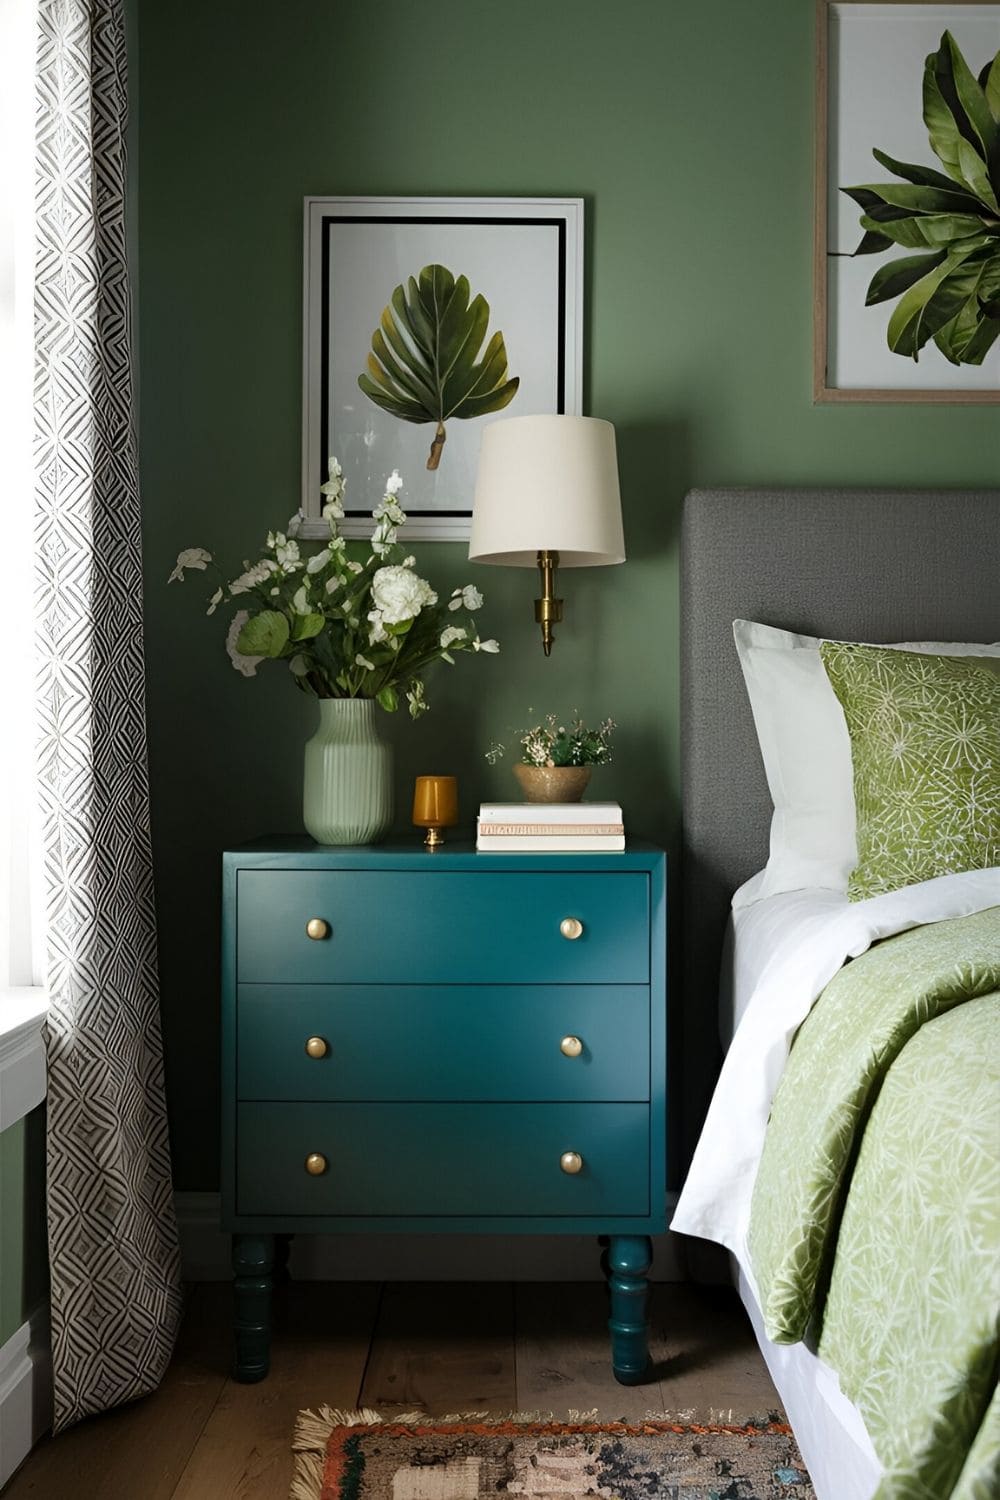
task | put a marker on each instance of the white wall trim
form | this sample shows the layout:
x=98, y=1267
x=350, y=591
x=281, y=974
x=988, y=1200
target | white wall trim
x=410, y=1257
x=25, y=1391
x=22, y=1052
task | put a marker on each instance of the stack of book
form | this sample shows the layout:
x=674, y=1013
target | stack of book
x=519, y=827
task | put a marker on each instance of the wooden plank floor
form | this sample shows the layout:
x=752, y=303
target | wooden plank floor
x=405, y=1346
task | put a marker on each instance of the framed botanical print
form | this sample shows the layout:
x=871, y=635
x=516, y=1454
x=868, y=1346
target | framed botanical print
x=907, y=244
x=425, y=319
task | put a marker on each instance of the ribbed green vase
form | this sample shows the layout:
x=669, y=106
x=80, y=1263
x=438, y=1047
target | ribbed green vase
x=347, y=787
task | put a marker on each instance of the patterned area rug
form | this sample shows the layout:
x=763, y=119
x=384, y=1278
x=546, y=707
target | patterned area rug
x=358, y=1456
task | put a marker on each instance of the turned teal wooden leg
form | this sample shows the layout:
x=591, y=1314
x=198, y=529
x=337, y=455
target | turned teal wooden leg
x=253, y=1265
x=629, y=1258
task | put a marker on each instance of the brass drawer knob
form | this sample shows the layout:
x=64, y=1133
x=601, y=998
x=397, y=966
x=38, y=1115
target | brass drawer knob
x=571, y=1046
x=571, y=927
x=571, y=1162
x=315, y=1164
x=316, y=928
x=317, y=1046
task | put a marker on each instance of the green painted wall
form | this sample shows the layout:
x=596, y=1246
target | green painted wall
x=687, y=128
x=23, y=1273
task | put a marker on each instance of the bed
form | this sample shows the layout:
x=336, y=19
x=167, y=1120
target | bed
x=858, y=566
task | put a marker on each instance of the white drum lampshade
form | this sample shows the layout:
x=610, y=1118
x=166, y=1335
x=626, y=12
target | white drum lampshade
x=548, y=483
x=547, y=494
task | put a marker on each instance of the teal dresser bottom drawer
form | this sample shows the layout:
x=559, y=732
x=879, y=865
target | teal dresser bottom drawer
x=427, y=1160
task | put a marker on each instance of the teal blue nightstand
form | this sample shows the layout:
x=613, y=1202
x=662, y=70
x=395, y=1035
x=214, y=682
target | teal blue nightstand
x=443, y=1041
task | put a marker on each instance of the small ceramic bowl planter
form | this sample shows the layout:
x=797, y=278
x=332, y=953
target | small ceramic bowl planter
x=552, y=783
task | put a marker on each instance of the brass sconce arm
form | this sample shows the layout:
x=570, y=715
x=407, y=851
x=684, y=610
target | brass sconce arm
x=548, y=609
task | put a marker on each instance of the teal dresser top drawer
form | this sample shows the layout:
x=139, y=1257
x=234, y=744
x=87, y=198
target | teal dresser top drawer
x=437, y=927
x=426, y=1160
x=449, y=1042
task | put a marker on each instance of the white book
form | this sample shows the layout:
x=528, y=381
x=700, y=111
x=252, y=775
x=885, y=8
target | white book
x=543, y=843
x=551, y=830
x=550, y=812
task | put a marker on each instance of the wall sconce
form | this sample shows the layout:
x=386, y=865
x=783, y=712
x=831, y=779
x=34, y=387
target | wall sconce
x=547, y=495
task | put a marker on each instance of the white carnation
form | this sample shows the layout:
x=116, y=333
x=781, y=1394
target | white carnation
x=399, y=594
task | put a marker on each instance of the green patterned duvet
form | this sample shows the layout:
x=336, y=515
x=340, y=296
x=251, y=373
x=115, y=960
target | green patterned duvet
x=876, y=1214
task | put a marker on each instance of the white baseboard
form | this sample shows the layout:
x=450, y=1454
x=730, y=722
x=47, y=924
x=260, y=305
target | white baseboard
x=410, y=1257
x=25, y=1391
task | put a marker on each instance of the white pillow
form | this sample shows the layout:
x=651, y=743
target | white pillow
x=807, y=757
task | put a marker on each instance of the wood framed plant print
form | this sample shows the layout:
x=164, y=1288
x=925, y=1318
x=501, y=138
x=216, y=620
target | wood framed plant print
x=907, y=241
x=425, y=319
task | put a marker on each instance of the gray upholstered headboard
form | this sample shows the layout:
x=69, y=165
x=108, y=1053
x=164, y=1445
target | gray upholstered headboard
x=871, y=565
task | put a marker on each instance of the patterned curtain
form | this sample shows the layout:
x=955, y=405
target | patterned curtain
x=112, y=1236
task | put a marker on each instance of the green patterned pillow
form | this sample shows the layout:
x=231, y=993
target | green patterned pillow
x=925, y=745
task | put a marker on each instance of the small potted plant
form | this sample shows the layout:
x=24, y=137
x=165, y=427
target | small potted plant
x=556, y=759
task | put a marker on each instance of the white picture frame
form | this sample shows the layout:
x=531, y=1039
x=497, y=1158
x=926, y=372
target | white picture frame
x=524, y=255
x=870, y=56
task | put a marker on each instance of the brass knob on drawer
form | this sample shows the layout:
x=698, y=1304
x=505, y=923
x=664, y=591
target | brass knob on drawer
x=315, y=1164
x=571, y=1046
x=571, y=1162
x=571, y=927
x=316, y=928
x=317, y=1046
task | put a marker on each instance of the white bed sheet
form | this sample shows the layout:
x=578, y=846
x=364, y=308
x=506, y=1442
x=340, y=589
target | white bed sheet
x=780, y=954
x=759, y=933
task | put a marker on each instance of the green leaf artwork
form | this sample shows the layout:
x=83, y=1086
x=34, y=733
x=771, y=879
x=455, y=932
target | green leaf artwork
x=425, y=363
x=950, y=292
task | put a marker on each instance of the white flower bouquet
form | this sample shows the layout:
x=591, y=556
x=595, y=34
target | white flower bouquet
x=348, y=626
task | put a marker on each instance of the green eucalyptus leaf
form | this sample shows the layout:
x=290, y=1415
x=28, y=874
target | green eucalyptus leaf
x=975, y=173
x=989, y=82
x=265, y=634
x=927, y=306
x=304, y=627
x=899, y=275
x=388, y=699
x=982, y=341
x=925, y=176
x=956, y=336
x=426, y=363
x=872, y=242
x=916, y=197
x=942, y=125
x=922, y=230
x=972, y=100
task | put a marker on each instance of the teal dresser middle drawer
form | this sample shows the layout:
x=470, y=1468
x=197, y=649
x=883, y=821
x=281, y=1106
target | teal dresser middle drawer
x=426, y=1160
x=442, y=1042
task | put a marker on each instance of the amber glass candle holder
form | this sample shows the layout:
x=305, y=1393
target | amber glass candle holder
x=435, y=806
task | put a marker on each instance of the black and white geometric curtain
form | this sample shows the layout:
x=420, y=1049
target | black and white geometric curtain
x=112, y=1235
